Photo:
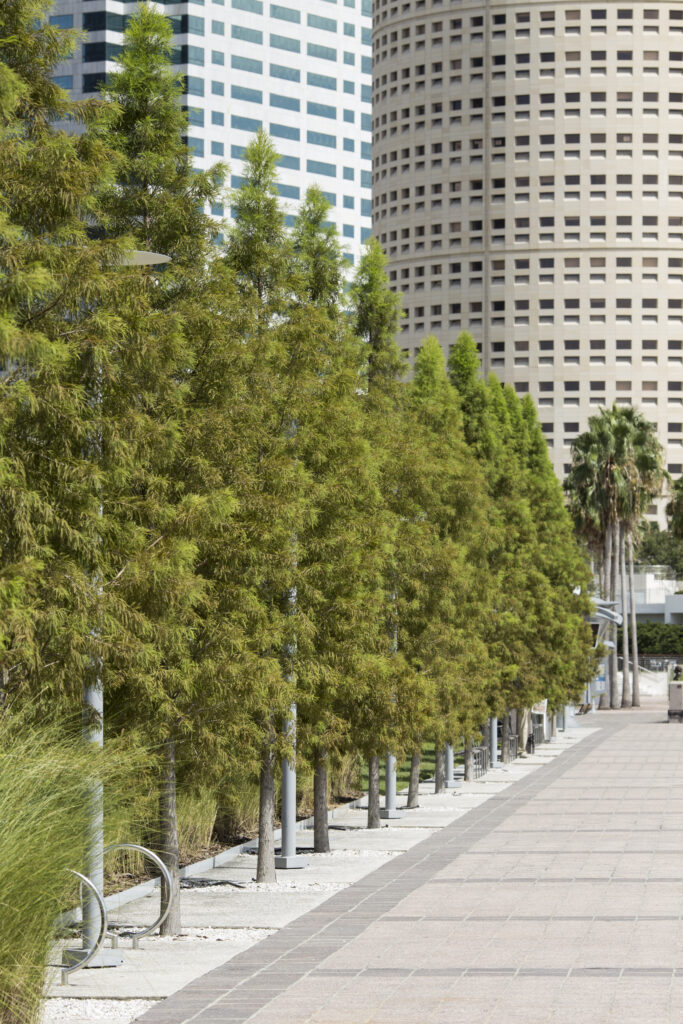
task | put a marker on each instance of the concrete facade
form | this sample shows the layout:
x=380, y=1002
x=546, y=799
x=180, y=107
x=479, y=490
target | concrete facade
x=300, y=69
x=528, y=186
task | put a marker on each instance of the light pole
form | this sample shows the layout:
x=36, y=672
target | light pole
x=92, y=731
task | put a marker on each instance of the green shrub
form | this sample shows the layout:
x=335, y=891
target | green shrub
x=44, y=776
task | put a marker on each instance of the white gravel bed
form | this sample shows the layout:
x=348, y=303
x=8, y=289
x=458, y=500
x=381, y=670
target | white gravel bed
x=238, y=936
x=113, y=1011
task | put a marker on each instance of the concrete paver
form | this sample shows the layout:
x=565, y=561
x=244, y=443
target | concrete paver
x=483, y=893
x=557, y=899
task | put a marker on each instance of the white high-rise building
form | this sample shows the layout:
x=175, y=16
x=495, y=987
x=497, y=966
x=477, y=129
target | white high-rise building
x=528, y=186
x=302, y=69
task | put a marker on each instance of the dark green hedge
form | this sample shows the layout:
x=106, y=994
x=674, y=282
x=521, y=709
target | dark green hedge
x=659, y=638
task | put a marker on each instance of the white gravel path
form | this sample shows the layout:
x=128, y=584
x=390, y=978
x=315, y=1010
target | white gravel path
x=82, y=1011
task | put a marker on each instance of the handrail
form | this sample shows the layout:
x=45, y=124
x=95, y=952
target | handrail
x=167, y=877
x=66, y=971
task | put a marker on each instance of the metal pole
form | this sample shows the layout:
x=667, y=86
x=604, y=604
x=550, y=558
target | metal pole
x=390, y=810
x=451, y=782
x=493, y=740
x=288, y=857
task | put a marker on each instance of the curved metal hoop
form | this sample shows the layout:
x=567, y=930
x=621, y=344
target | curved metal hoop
x=66, y=971
x=150, y=855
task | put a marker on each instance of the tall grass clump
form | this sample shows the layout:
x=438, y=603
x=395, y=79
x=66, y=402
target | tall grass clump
x=45, y=774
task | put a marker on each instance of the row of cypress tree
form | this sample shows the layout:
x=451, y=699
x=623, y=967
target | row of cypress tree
x=218, y=490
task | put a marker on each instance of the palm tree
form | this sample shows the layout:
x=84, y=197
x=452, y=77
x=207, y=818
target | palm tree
x=616, y=472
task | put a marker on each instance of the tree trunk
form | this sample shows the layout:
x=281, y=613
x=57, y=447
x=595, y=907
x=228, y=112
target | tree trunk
x=615, y=695
x=523, y=722
x=321, y=832
x=168, y=841
x=505, y=739
x=469, y=760
x=265, y=865
x=606, y=575
x=635, y=694
x=553, y=729
x=626, y=676
x=439, y=770
x=374, y=820
x=414, y=786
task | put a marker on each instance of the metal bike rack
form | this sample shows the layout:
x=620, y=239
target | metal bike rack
x=150, y=855
x=66, y=971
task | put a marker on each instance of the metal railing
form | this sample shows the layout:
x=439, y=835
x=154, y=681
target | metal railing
x=539, y=732
x=480, y=761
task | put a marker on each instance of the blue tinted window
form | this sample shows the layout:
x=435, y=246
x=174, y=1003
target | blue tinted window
x=349, y=3
x=196, y=146
x=217, y=148
x=250, y=34
x=254, y=6
x=366, y=7
x=64, y=81
x=349, y=145
x=218, y=28
x=366, y=65
x=292, y=162
x=187, y=54
x=217, y=117
x=62, y=20
x=366, y=122
x=236, y=181
x=349, y=30
x=331, y=198
x=321, y=139
x=285, y=102
x=284, y=43
x=237, y=152
x=349, y=87
x=289, y=74
x=349, y=116
x=321, y=109
x=366, y=93
x=366, y=36
x=284, y=13
x=321, y=81
x=245, y=124
x=366, y=208
x=348, y=174
x=349, y=58
x=238, y=92
x=288, y=191
x=366, y=150
x=324, y=52
x=315, y=21
x=348, y=202
x=217, y=88
x=318, y=167
x=218, y=57
x=366, y=179
x=217, y=209
x=246, y=64
x=102, y=51
x=365, y=234
x=194, y=86
x=348, y=231
x=195, y=116
x=290, y=220
x=284, y=131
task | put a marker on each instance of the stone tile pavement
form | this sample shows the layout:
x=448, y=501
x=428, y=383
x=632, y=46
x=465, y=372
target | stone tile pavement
x=558, y=899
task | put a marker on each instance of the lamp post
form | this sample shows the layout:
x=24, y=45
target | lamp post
x=92, y=731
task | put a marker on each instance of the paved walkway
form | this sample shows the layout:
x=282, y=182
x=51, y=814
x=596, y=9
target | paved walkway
x=557, y=900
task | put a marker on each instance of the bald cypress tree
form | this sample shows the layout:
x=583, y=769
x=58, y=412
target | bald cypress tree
x=172, y=509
